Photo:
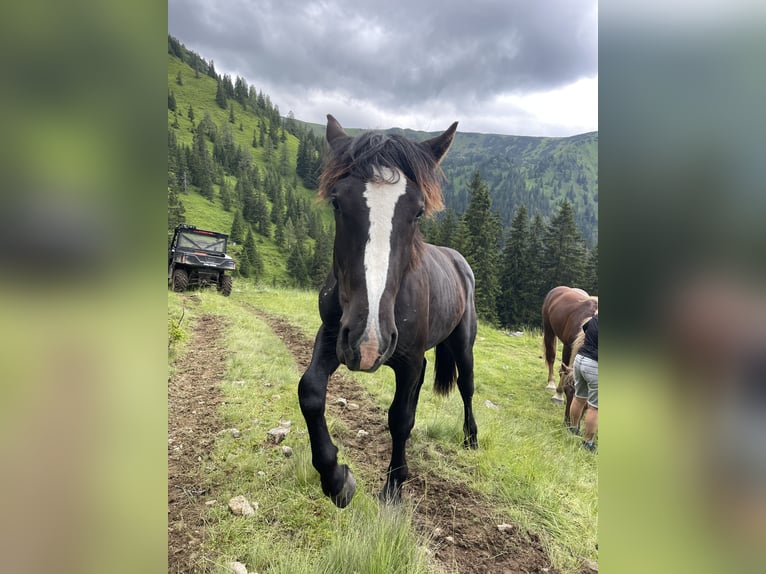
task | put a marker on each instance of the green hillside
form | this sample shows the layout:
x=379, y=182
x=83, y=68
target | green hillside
x=246, y=141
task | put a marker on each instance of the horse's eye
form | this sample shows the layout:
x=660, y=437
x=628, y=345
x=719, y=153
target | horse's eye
x=334, y=203
x=420, y=214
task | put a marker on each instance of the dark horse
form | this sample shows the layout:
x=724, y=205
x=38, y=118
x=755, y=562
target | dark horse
x=389, y=296
x=565, y=310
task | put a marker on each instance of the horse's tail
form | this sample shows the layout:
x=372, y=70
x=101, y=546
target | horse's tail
x=567, y=371
x=445, y=370
x=577, y=344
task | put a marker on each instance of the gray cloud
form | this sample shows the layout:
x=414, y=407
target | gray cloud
x=401, y=58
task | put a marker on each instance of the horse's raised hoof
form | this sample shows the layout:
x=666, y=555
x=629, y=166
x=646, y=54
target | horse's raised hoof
x=557, y=399
x=551, y=386
x=343, y=498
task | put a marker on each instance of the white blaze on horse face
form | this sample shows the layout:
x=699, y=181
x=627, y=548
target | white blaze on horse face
x=381, y=197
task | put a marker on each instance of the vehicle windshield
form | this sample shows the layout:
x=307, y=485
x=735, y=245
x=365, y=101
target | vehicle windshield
x=191, y=240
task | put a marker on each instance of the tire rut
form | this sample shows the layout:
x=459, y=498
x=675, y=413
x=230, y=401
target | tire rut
x=194, y=396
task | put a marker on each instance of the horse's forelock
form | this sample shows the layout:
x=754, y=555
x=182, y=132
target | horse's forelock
x=367, y=156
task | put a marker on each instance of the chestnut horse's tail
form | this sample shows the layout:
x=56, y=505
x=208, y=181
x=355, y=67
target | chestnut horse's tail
x=568, y=378
x=577, y=344
x=445, y=370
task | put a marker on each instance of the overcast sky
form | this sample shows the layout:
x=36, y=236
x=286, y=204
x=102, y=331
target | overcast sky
x=521, y=67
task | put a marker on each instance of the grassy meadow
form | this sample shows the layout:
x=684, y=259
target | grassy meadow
x=526, y=462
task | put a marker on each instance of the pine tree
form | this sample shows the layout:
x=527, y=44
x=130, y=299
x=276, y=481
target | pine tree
x=175, y=209
x=322, y=259
x=253, y=257
x=537, y=286
x=237, y=228
x=220, y=96
x=171, y=101
x=482, y=236
x=591, y=272
x=279, y=232
x=226, y=200
x=296, y=265
x=190, y=113
x=179, y=79
x=231, y=114
x=261, y=215
x=202, y=166
x=449, y=229
x=243, y=264
x=515, y=272
x=564, y=249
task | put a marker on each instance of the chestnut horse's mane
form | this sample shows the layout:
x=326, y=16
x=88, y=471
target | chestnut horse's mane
x=365, y=155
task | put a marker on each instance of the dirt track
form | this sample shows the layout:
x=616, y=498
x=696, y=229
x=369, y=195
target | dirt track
x=193, y=399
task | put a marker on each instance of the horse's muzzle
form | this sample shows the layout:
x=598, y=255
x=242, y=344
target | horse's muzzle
x=366, y=353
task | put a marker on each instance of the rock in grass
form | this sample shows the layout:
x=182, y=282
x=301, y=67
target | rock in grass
x=362, y=434
x=278, y=434
x=341, y=401
x=240, y=506
x=506, y=528
x=490, y=405
x=237, y=568
x=287, y=451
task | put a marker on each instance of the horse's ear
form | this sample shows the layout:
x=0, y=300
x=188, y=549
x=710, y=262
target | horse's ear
x=440, y=144
x=335, y=131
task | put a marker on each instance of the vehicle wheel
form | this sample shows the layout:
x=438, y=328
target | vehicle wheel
x=180, y=280
x=226, y=283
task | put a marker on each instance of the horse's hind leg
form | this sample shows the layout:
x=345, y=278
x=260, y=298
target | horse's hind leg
x=549, y=344
x=337, y=481
x=460, y=345
x=401, y=419
x=465, y=384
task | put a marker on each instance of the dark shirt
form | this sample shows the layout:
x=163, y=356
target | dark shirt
x=590, y=345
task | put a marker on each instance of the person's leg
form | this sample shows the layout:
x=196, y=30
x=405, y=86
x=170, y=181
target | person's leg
x=591, y=423
x=575, y=413
x=589, y=370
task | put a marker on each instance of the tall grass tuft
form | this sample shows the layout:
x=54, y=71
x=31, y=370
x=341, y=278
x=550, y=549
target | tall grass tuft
x=378, y=540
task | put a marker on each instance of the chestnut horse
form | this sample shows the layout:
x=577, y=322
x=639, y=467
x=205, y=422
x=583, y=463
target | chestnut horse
x=389, y=296
x=565, y=311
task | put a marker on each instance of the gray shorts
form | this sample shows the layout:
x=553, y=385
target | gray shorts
x=586, y=379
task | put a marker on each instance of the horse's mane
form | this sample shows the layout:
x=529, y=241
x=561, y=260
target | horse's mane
x=365, y=155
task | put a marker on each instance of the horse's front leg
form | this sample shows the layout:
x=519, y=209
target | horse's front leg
x=337, y=481
x=549, y=344
x=401, y=419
